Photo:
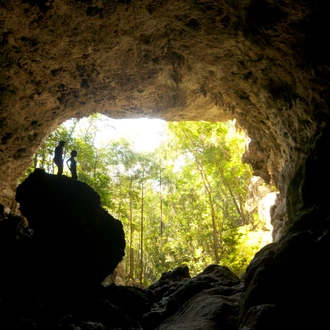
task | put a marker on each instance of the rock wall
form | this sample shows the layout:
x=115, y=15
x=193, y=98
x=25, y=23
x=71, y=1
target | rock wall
x=263, y=62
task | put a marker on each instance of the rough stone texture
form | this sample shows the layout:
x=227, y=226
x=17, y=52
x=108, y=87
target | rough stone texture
x=263, y=62
x=207, y=301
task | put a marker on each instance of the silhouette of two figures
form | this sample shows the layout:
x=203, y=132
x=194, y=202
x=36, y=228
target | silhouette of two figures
x=71, y=162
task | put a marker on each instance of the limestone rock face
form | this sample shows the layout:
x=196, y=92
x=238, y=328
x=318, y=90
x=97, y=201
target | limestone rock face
x=263, y=62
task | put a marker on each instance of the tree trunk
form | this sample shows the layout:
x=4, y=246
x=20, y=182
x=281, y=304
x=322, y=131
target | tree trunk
x=208, y=189
x=131, y=231
x=141, y=230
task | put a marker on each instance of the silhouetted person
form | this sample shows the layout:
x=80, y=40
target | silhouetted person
x=58, y=158
x=72, y=164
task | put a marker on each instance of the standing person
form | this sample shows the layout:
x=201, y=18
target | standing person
x=72, y=164
x=58, y=157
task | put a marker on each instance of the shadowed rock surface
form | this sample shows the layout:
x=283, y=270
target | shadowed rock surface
x=285, y=287
x=286, y=284
x=75, y=242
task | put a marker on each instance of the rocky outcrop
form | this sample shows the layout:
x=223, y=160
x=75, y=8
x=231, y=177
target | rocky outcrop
x=75, y=242
x=208, y=300
x=286, y=284
x=262, y=62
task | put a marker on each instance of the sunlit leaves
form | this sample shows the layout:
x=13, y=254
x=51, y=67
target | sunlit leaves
x=187, y=196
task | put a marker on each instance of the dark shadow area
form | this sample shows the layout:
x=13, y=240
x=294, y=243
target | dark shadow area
x=55, y=256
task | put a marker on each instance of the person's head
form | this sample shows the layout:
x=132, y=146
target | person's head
x=62, y=143
x=73, y=153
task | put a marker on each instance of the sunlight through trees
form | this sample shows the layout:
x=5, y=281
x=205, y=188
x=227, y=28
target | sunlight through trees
x=181, y=202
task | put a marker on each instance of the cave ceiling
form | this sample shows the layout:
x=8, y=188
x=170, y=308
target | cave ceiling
x=264, y=63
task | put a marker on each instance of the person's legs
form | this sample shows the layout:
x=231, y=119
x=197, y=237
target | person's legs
x=59, y=168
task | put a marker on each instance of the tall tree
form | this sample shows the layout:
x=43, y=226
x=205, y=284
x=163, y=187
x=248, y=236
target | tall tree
x=209, y=145
x=182, y=204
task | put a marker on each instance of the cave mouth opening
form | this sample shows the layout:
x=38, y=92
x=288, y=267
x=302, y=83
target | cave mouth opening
x=180, y=189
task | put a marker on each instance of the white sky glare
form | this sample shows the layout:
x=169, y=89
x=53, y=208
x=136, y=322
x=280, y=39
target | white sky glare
x=144, y=133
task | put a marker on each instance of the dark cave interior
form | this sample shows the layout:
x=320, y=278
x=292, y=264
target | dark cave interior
x=264, y=63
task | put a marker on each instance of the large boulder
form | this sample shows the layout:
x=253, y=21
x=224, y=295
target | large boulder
x=286, y=284
x=209, y=300
x=75, y=241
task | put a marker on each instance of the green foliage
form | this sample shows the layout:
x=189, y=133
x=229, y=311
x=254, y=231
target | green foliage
x=181, y=204
x=247, y=244
x=213, y=187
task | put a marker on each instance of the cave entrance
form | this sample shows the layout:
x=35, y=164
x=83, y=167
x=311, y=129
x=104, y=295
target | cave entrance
x=179, y=188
